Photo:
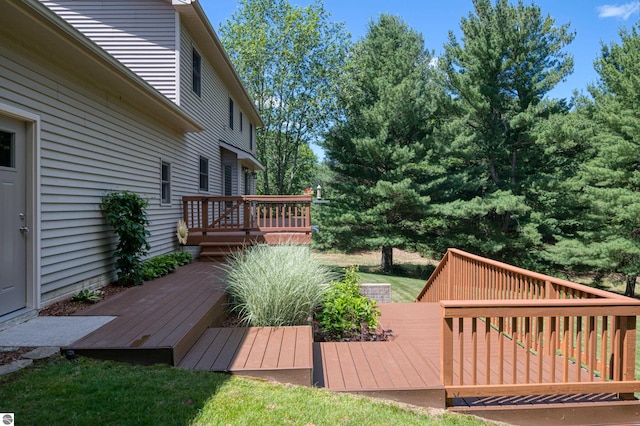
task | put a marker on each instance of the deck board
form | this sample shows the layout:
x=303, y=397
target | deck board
x=273, y=353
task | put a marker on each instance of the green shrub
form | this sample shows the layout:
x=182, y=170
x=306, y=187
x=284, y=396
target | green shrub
x=346, y=313
x=275, y=285
x=88, y=296
x=125, y=211
x=164, y=264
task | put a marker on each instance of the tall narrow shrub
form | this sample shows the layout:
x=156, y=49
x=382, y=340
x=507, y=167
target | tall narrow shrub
x=272, y=286
x=126, y=212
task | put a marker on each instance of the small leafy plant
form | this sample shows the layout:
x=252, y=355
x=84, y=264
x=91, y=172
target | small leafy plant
x=88, y=296
x=164, y=264
x=346, y=314
x=126, y=212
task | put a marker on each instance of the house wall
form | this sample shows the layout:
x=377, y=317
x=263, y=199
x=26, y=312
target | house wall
x=90, y=144
x=212, y=109
x=139, y=33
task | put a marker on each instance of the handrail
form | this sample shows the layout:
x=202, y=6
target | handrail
x=495, y=277
x=539, y=334
x=542, y=347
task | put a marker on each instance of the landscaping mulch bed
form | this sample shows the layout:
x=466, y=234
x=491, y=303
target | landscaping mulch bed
x=69, y=307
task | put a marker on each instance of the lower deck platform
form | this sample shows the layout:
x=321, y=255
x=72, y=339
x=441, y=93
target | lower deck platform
x=159, y=321
x=281, y=354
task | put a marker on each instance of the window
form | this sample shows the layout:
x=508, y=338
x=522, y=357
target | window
x=240, y=120
x=196, y=76
x=166, y=183
x=204, y=174
x=7, y=149
x=247, y=182
x=250, y=137
x=231, y=113
x=228, y=179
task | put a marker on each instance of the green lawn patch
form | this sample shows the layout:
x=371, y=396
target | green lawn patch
x=87, y=391
x=403, y=289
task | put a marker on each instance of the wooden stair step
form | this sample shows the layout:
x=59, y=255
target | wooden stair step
x=283, y=354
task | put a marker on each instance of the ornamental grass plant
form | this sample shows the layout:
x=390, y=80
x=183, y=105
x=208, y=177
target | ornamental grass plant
x=271, y=286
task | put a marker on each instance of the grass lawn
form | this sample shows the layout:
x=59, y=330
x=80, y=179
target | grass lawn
x=90, y=392
x=405, y=284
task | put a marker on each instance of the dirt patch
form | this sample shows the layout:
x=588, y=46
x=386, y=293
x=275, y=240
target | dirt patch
x=7, y=357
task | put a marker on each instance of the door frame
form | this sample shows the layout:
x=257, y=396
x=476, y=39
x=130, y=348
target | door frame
x=33, y=210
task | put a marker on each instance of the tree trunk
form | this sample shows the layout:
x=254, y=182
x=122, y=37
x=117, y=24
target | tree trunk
x=387, y=259
x=630, y=291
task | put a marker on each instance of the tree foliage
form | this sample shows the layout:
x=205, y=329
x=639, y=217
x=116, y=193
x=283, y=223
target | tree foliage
x=606, y=186
x=378, y=152
x=290, y=59
x=498, y=75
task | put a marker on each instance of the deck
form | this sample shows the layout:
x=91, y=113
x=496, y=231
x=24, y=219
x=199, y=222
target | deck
x=281, y=354
x=176, y=320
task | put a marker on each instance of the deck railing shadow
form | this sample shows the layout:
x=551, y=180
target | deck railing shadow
x=510, y=331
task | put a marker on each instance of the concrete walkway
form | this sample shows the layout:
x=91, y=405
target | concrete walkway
x=51, y=331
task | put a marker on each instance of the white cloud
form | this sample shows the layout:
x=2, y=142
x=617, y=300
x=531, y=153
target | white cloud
x=623, y=11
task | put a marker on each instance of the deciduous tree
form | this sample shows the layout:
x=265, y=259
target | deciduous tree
x=291, y=59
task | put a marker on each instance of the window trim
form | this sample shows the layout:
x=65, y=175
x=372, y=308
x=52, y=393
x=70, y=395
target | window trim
x=196, y=72
x=204, y=174
x=241, y=121
x=165, y=201
x=231, y=108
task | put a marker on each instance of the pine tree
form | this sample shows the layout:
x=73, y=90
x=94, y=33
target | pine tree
x=378, y=152
x=498, y=74
x=607, y=185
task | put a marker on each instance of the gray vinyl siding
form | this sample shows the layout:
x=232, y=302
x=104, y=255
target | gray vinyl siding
x=139, y=33
x=89, y=146
x=212, y=109
x=206, y=109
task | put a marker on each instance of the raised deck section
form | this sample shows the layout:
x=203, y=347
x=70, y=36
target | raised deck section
x=159, y=321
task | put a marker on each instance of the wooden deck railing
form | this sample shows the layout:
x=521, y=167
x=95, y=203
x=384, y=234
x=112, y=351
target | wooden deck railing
x=509, y=331
x=247, y=213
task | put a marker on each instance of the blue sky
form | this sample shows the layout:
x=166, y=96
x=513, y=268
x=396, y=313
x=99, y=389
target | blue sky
x=594, y=21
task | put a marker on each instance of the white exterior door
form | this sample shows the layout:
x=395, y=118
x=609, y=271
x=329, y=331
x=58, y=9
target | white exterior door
x=13, y=221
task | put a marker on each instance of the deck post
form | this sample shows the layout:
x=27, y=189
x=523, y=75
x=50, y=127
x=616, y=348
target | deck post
x=246, y=216
x=628, y=351
x=446, y=349
x=550, y=290
x=449, y=273
x=205, y=215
